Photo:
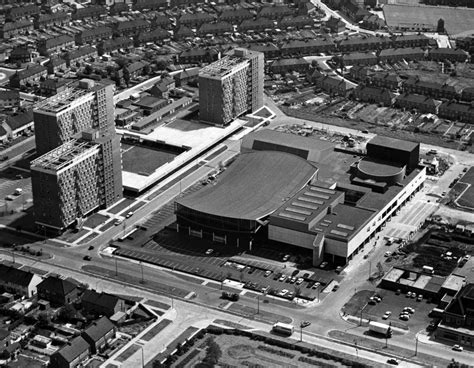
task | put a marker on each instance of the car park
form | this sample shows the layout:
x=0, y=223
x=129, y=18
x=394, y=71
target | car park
x=458, y=348
x=277, y=276
x=404, y=317
x=292, y=280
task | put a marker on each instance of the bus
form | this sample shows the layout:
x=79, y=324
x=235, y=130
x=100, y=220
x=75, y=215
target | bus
x=283, y=328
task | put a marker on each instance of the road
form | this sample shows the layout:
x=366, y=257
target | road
x=17, y=151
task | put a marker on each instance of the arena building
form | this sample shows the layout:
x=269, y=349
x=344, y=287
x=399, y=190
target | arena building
x=291, y=190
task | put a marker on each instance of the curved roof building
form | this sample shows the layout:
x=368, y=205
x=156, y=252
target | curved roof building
x=253, y=187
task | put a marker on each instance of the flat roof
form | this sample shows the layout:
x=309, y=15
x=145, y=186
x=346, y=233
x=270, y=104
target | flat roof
x=374, y=167
x=394, y=275
x=253, y=186
x=454, y=282
x=393, y=143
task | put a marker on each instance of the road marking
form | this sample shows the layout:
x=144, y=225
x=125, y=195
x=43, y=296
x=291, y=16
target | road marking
x=204, y=282
x=227, y=305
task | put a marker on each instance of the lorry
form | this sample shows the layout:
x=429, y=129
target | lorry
x=283, y=328
x=380, y=328
x=230, y=296
x=428, y=269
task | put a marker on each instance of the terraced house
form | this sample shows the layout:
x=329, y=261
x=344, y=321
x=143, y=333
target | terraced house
x=421, y=103
x=88, y=12
x=52, y=46
x=78, y=56
x=235, y=16
x=216, y=28
x=457, y=111
x=93, y=35
x=11, y=29
x=195, y=20
x=260, y=24
x=130, y=27
x=54, y=19
x=30, y=75
x=307, y=47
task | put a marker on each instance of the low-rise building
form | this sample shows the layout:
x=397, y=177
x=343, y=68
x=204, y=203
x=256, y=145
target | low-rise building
x=102, y=303
x=163, y=87
x=307, y=47
x=333, y=86
x=20, y=12
x=58, y=18
x=407, y=53
x=158, y=34
x=421, y=103
x=99, y=334
x=57, y=291
x=105, y=47
x=93, y=35
x=374, y=95
x=457, y=111
x=358, y=58
x=335, y=25
x=391, y=81
x=53, y=45
x=21, y=54
x=282, y=66
x=199, y=55
x=150, y=104
x=195, y=20
x=276, y=12
x=269, y=50
x=10, y=99
x=372, y=22
x=118, y=9
x=468, y=94
x=445, y=53
x=130, y=27
x=186, y=76
x=457, y=325
x=75, y=58
x=161, y=21
x=216, y=28
x=53, y=86
x=298, y=21
x=11, y=29
x=89, y=12
x=141, y=5
x=19, y=281
x=260, y=24
x=71, y=355
x=19, y=124
x=363, y=44
x=235, y=16
x=433, y=89
x=56, y=64
x=31, y=75
x=417, y=40
x=182, y=32
x=135, y=69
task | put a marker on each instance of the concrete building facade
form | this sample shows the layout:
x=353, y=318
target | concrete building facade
x=231, y=87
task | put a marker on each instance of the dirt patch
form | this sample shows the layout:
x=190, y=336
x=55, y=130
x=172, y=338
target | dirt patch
x=241, y=351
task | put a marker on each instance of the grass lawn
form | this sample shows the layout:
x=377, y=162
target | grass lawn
x=24, y=361
x=128, y=353
x=144, y=160
x=456, y=20
x=95, y=220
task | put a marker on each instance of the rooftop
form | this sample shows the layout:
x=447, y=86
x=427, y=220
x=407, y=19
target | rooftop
x=393, y=143
x=63, y=155
x=223, y=67
x=247, y=190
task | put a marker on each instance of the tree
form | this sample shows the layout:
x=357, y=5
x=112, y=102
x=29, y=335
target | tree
x=157, y=364
x=162, y=64
x=68, y=312
x=5, y=355
x=88, y=69
x=440, y=27
x=126, y=76
x=213, y=352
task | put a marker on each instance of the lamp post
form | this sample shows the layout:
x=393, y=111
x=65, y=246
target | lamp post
x=142, y=281
x=357, y=349
x=416, y=345
x=258, y=304
x=116, y=266
x=370, y=268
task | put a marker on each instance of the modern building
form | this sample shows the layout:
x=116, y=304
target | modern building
x=296, y=191
x=231, y=87
x=83, y=105
x=75, y=179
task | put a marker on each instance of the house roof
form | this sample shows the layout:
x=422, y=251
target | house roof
x=219, y=26
x=74, y=349
x=236, y=13
x=187, y=73
x=44, y=18
x=418, y=99
x=306, y=43
x=57, y=284
x=137, y=65
x=463, y=303
x=300, y=19
x=262, y=47
x=198, y=51
x=56, y=61
x=275, y=11
x=80, y=52
x=131, y=24
x=15, y=276
x=99, y=329
x=257, y=23
x=57, y=41
x=3, y=132
x=290, y=62
x=96, y=31
x=9, y=94
x=8, y=26
x=401, y=52
x=104, y=300
x=32, y=70
x=20, y=51
x=197, y=17
x=20, y=120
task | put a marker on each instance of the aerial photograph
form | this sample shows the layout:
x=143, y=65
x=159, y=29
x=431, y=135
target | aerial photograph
x=236, y=183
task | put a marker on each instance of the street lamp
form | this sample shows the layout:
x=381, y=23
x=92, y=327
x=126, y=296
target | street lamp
x=357, y=350
x=142, y=281
x=416, y=345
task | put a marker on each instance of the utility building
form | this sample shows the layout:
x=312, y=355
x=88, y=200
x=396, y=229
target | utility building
x=231, y=87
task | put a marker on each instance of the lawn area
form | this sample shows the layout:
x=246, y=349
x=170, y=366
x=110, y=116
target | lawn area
x=467, y=198
x=95, y=220
x=128, y=353
x=357, y=302
x=456, y=20
x=24, y=361
x=144, y=160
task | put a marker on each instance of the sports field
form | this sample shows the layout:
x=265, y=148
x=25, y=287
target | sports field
x=456, y=20
x=467, y=198
x=144, y=160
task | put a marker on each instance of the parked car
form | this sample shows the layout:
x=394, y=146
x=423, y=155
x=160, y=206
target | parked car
x=404, y=317
x=286, y=257
x=267, y=273
x=209, y=251
x=458, y=348
x=282, y=278
x=87, y=258
x=299, y=281
x=387, y=315
x=419, y=298
x=277, y=276
x=392, y=361
x=323, y=265
x=283, y=292
x=315, y=285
